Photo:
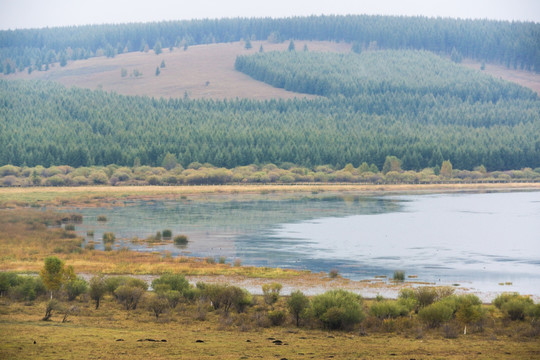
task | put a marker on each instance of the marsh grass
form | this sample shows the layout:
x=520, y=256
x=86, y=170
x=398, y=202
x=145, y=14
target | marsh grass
x=399, y=275
x=29, y=235
x=180, y=240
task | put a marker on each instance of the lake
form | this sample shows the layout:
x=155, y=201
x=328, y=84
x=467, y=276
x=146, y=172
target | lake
x=477, y=240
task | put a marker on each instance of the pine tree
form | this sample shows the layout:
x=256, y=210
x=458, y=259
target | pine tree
x=157, y=48
x=291, y=46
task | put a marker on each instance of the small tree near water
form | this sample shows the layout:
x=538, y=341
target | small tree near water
x=297, y=304
x=98, y=288
x=52, y=274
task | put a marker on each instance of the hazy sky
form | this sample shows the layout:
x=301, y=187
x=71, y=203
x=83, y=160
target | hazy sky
x=41, y=13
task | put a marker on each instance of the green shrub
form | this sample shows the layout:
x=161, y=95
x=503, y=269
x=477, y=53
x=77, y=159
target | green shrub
x=9, y=170
x=166, y=234
x=225, y=297
x=157, y=305
x=173, y=297
x=75, y=288
x=109, y=238
x=388, y=310
x=501, y=299
x=534, y=312
x=7, y=281
x=99, y=177
x=180, y=240
x=517, y=308
x=56, y=180
x=514, y=305
x=175, y=282
x=425, y=295
x=297, y=303
x=69, y=227
x=436, y=314
x=271, y=293
x=26, y=288
x=333, y=273
x=129, y=296
x=114, y=282
x=470, y=309
x=98, y=288
x=338, y=309
x=276, y=317
x=101, y=218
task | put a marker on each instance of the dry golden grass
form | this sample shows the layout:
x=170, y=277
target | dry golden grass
x=108, y=195
x=524, y=78
x=112, y=333
x=185, y=71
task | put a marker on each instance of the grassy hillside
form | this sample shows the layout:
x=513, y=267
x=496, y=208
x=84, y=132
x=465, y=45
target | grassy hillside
x=202, y=71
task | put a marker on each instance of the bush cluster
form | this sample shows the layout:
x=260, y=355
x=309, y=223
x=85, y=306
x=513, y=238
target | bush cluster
x=206, y=174
x=436, y=308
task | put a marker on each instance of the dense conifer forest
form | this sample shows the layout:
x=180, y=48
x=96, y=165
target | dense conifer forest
x=413, y=105
x=514, y=44
x=416, y=105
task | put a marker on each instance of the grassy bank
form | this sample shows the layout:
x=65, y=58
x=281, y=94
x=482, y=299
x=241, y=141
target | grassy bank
x=107, y=195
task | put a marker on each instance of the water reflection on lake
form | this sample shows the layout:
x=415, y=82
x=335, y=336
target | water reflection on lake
x=479, y=240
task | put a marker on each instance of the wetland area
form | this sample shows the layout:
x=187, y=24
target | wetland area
x=483, y=241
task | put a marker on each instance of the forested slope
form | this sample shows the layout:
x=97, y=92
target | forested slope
x=514, y=44
x=47, y=124
x=418, y=73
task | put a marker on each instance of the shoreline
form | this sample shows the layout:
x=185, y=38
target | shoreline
x=98, y=195
x=312, y=283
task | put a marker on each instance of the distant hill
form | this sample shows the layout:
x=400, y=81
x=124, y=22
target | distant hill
x=206, y=71
x=513, y=44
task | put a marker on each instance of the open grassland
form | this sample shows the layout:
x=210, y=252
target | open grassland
x=115, y=195
x=202, y=71
x=524, y=78
x=113, y=333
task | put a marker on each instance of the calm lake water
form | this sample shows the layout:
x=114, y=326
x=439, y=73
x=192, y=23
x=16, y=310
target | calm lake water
x=477, y=240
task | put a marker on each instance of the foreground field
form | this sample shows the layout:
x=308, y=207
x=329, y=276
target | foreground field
x=111, y=333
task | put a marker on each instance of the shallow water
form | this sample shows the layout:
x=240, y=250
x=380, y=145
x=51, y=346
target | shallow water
x=478, y=240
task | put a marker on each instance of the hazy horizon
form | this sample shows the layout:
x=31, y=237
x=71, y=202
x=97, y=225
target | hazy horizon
x=22, y=14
